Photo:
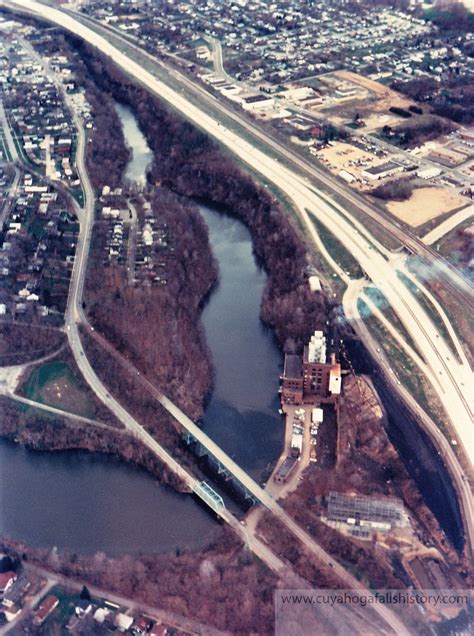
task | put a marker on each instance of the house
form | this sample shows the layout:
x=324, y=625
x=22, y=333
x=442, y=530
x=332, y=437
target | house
x=6, y=580
x=44, y=610
x=123, y=622
x=11, y=611
x=101, y=614
x=158, y=630
x=142, y=625
x=83, y=608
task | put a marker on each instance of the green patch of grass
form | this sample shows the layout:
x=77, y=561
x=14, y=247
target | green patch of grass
x=78, y=194
x=55, y=384
x=339, y=253
x=379, y=300
x=431, y=310
x=36, y=228
x=63, y=611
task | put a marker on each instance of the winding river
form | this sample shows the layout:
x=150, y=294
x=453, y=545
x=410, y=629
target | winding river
x=90, y=502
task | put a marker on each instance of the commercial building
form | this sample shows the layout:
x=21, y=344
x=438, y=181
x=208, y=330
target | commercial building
x=257, y=102
x=384, y=170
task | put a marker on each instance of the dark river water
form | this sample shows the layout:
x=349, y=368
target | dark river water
x=242, y=416
x=91, y=502
x=94, y=502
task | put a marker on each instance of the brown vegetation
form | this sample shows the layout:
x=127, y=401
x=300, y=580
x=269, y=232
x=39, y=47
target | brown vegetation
x=157, y=327
x=187, y=161
x=289, y=548
x=40, y=431
x=223, y=585
x=419, y=129
x=452, y=99
x=367, y=464
x=22, y=343
x=397, y=190
x=127, y=388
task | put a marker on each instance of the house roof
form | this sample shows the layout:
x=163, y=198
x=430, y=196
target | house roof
x=5, y=578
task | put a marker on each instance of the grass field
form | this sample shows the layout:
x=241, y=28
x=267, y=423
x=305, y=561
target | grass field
x=381, y=303
x=430, y=309
x=339, y=253
x=55, y=384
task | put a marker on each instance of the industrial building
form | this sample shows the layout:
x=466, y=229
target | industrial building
x=314, y=378
x=384, y=170
x=362, y=516
x=285, y=469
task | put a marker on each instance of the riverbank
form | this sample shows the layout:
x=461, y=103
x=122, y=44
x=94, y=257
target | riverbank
x=223, y=585
x=43, y=432
x=369, y=464
x=283, y=258
x=189, y=163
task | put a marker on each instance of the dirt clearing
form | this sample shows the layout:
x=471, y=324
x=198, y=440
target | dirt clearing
x=425, y=204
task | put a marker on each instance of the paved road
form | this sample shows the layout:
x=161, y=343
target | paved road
x=29, y=606
x=443, y=228
x=14, y=155
x=10, y=198
x=218, y=60
x=294, y=186
x=169, y=618
x=420, y=327
x=7, y=134
x=443, y=446
x=75, y=316
x=56, y=411
x=450, y=276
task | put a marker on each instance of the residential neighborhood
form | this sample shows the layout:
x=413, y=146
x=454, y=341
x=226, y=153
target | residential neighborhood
x=32, y=601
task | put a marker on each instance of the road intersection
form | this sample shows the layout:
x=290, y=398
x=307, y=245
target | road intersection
x=371, y=255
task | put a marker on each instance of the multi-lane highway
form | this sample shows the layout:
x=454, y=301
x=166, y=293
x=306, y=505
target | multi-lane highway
x=458, y=285
x=75, y=316
x=451, y=378
x=443, y=270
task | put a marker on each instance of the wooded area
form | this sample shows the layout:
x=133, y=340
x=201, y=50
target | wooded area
x=223, y=585
x=21, y=343
x=368, y=464
x=190, y=163
x=158, y=327
x=54, y=433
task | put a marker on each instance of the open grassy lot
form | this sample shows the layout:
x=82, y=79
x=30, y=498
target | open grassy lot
x=55, y=384
x=337, y=250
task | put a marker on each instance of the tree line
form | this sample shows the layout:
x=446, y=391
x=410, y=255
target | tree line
x=187, y=161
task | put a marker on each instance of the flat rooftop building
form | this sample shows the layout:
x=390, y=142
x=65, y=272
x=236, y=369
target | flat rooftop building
x=370, y=513
x=311, y=378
